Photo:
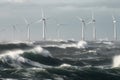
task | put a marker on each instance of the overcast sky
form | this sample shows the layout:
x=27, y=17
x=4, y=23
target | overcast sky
x=13, y=12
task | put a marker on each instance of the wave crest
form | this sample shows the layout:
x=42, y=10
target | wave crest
x=116, y=61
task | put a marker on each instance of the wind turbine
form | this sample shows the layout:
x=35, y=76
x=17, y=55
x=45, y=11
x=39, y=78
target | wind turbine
x=58, y=30
x=114, y=28
x=83, y=26
x=2, y=30
x=28, y=28
x=94, y=27
x=44, y=24
x=43, y=20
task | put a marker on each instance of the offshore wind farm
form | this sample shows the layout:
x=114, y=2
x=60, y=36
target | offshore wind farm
x=83, y=25
x=59, y=40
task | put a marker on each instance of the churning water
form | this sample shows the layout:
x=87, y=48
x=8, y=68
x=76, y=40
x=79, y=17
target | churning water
x=65, y=60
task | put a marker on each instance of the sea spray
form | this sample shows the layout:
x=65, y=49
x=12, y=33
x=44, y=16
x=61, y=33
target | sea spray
x=12, y=53
x=14, y=58
x=41, y=51
x=116, y=61
x=82, y=44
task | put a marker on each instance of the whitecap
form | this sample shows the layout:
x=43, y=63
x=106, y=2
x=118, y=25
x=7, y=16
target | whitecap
x=41, y=51
x=65, y=65
x=82, y=44
x=116, y=61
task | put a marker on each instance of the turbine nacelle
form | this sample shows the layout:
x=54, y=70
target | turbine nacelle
x=43, y=19
x=115, y=28
x=114, y=21
x=93, y=20
x=28, y=28
x=28, y=23
x=81, y=19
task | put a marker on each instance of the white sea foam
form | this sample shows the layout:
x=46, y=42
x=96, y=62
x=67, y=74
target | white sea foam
x=82, y=44
x=63, y=46
x=68, y=45
x=65, y=65
x=116, y=61
x=36, y=50
x=41, y=51
x=12, y=54
x=15, y=59
x=57, y=40
x=108, y=43
x=92, y=51
x=17, y=42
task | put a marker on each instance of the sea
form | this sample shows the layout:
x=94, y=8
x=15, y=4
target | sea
x=60, y=60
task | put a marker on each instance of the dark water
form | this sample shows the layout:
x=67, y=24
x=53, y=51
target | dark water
x=52, y=60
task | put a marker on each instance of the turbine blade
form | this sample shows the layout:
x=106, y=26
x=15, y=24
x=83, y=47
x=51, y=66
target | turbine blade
x=58, y=24
x=38, y=21
x=42, y=13
x=93, y=15
x=89, y=22
x=113, y=19
x=26, y=21
x=80, y=18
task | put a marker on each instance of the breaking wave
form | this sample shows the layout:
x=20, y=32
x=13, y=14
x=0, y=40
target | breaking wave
x=21, y=58
x=80, y=44
x=116, y=61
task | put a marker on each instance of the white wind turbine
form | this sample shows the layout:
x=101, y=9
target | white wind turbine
x=83, y=26
x=43, y=20
x=58, y=30
x=114, y=28
x=2, y=30
x=94, y=27
x=28, y=28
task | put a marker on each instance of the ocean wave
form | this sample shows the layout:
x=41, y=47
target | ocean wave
x=17, y=58
x=80, y=44
x=10, y=46
x=71, y=73
x=116, y=61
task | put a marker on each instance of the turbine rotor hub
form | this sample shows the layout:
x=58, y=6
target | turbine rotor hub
x=114, y=21
x=94, y=20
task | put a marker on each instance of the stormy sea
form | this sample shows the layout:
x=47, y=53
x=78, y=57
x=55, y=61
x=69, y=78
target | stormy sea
x=60, y=60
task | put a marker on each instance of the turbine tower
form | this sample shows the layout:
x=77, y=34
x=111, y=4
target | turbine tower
x=114, y=28
x=83, y=26
x=58, y=30
x=28, y=29
x=44, y=25
x=43, y=20
x=94, y=27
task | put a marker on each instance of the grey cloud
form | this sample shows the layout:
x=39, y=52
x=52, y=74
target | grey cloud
x=68, y=3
